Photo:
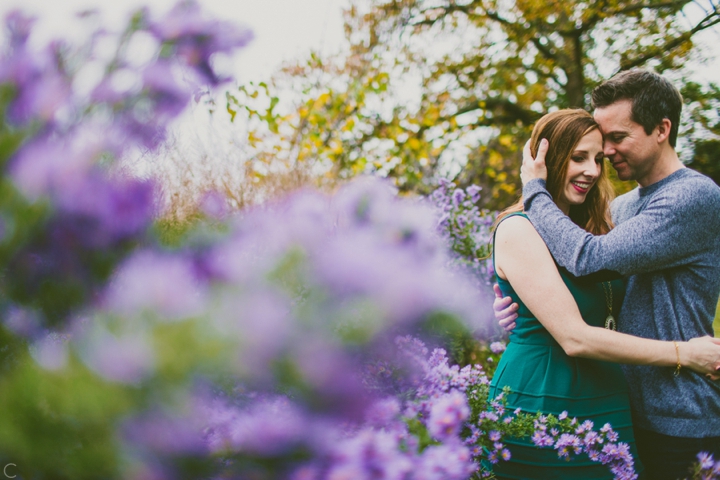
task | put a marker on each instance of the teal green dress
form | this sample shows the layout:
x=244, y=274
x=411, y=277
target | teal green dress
x=543, y=378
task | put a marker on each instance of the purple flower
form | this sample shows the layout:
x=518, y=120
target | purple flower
x=43, y=167
x=165, y=284
x=164, y=432
x=447, y=415
x=445, y=462
x=125, y=358
x=51, y=352
x=40, y=88
x=214, y=205
x=706, y=460
x=23, y=321
x=567, y=444
x=370, y=454
x=383, y=412
x=458, y=196
x=542, y=439
x=196, y=38
x=268, y=428
x=19, y=26
x=168, y=96
x=499, y=347
x=474, y=192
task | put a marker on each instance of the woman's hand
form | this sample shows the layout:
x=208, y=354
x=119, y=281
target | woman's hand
x=702, y=355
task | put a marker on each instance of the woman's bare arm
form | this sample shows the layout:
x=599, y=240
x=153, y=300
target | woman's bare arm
x=522, y=258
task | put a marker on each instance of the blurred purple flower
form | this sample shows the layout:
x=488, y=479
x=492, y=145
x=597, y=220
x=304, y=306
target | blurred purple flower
x=196, y=38
x=447, y=415
x=335, y=378
x=498, y=347
x=458, y=196
x=127, y=358
x=51, y=352
x=474, y=192
x=169, y=97
x=370, y=454
x=261, y=322
x=214, y=205
x=44, y=167
x=22, y=321
x=383, y=412
x=19, y=26
x=445, y=462
x=164, y=432
x=269, y=427
x=40, y=89
x=109, y=211
x=162, y=283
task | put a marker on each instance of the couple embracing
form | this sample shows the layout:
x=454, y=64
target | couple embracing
x=634, y=281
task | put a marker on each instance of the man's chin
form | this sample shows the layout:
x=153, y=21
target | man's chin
x=623, y=173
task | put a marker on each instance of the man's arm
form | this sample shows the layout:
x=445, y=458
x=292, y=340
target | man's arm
x=671, y=228
x=659, y=237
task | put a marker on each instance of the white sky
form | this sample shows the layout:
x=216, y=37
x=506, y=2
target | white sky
x=284, y=29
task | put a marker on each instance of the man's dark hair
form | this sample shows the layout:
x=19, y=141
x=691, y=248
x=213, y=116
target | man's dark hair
x=653, y=99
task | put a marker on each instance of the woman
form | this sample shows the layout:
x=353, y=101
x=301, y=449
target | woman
x=561, y=317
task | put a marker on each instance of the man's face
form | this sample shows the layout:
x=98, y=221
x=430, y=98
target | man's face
x=631, y=151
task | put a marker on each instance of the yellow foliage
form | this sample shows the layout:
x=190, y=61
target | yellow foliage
x=413, y=144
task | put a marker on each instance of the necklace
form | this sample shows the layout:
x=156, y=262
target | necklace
x=610, y=323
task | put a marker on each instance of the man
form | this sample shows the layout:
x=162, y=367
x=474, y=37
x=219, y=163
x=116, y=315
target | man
x=667, y=244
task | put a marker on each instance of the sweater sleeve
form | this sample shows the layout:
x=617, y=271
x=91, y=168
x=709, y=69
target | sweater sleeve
x=673, y=227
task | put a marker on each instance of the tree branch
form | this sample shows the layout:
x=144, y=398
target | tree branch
x=504, y=111
x=657, y=6
x=709, y=21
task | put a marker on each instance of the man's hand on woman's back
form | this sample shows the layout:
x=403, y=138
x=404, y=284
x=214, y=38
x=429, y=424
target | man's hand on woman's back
x=505, y=310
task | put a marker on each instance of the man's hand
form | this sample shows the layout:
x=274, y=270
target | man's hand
x=505, y=310
x=533, y=168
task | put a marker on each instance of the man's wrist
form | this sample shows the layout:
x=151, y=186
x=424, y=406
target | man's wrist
x=531, y=189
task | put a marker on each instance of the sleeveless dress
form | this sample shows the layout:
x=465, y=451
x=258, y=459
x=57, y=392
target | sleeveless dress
x=543, y=378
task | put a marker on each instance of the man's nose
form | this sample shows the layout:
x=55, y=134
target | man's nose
x=608, y=149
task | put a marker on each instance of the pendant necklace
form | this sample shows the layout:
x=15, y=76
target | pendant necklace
x=610, y=323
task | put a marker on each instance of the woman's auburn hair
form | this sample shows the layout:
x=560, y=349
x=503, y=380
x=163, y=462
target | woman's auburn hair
x=564, y=129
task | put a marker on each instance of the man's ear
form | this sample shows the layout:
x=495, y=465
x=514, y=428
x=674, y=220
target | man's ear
x=663, y=130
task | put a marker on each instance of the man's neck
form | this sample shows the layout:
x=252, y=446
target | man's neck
x=666, y=165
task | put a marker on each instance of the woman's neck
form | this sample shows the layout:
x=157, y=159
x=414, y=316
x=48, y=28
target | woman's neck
x=564, y=207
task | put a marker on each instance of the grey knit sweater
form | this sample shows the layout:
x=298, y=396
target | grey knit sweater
x=667, y=243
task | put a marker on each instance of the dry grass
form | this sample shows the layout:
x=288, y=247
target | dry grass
x=206, y=153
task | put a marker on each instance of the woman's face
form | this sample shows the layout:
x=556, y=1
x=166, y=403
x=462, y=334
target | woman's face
x=583, y=170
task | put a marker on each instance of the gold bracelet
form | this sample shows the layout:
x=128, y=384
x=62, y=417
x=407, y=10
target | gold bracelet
x=677, y=352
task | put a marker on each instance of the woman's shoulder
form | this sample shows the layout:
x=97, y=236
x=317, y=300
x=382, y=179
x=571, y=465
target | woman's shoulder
x=515, y=223
x=516, y=230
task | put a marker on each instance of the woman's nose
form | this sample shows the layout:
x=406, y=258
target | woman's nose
x=592, y=168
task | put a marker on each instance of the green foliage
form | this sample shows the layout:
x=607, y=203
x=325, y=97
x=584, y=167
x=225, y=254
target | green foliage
x=39, y=416
x=433, y=88
x=703, y=105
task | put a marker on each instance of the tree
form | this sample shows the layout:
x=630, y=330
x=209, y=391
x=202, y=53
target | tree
x=452, y=87
x=704, y=131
